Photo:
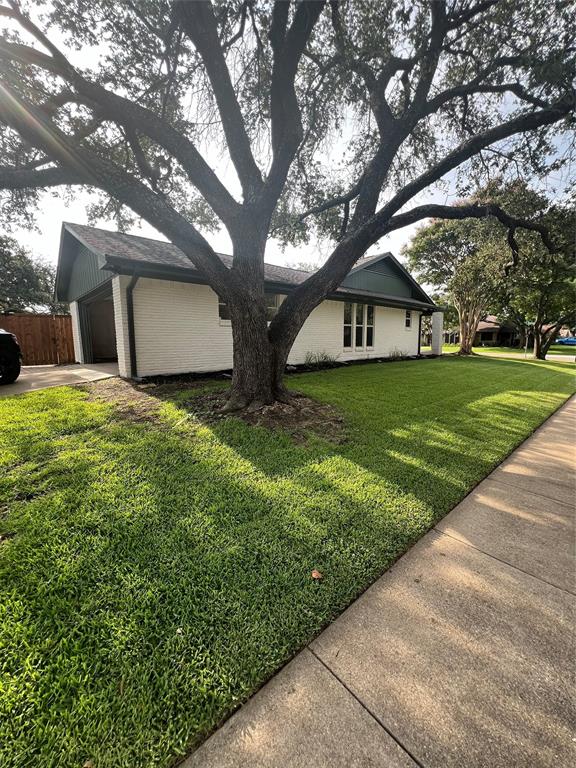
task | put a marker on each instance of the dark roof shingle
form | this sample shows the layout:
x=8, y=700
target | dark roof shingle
x=148, y=251
x=116, y=247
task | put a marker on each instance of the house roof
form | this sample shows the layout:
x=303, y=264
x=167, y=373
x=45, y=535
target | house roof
x=126, y=254
x=491, y=323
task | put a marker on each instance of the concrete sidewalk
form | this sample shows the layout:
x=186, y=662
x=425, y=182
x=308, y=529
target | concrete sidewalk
x=462, y=654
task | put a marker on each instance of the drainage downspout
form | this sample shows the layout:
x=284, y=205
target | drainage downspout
x=131, y=333
x=419, y=332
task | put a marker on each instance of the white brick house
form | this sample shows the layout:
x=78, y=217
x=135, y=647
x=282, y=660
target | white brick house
x=142, y=302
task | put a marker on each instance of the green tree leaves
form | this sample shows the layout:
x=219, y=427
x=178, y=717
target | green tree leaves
x=26, y=284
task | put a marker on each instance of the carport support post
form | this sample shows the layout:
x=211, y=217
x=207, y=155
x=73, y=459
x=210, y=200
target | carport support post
x=76, y=332
x=120, y=285
x=437, y=332
x=131, y=330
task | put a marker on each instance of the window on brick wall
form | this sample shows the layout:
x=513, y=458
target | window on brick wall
x=272, y=304
x=369, y=326
x=348, y=313
x=358, y=326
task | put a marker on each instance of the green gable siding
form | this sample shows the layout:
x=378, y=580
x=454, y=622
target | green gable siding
x=86, y=274
x=381, y=277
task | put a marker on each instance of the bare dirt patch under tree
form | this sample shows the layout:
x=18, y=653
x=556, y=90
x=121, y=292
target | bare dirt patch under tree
x=205, y=400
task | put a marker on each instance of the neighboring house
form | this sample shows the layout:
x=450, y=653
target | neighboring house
x=142, y=302
x=491, y=333
x=494, y=333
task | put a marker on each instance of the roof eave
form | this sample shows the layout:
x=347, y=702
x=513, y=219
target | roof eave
x=183, y=274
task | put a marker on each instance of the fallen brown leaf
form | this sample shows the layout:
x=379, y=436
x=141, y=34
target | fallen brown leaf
x=316, y=575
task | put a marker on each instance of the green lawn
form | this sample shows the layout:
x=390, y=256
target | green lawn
x=156, y=573
x=555, y=349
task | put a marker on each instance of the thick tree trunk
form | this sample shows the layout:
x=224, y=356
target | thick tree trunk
x=258, y=362
x=543, y=340
x=259, y=365
x=467, y=333
x=539, y=351
x=252, y=378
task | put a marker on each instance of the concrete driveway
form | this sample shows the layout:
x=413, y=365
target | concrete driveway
x=43, y=376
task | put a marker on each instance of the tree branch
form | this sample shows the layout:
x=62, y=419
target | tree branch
x=333, y=202
x=19, y=178
x=127, y=113
x=474, y=211
x=286, y=124
x=97, y=171
x=476, y=86
x=520, y=124
x=200, y=25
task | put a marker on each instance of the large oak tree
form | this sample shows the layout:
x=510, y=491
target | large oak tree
x=411, y=91
x=540, y=290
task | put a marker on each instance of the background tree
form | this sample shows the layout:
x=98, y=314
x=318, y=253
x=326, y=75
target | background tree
x=456, y=257
x=411, y=91
x=26, y=284
x=450, y=314
x=541, y=288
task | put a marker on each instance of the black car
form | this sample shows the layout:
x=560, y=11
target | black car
x=10, y=357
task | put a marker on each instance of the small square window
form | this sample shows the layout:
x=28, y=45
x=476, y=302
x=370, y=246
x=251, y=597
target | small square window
x=408, y=320
x=272, y=304
x=223, y=310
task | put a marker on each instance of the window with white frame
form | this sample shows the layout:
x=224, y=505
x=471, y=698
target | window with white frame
x=272, y=304
x=348, y=312
x=369, y=326
x=359, y=327
x=358, y=330
x=223, y=310
x=408, y=320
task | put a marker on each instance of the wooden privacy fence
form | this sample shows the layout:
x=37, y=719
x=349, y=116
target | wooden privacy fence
x=44, y=339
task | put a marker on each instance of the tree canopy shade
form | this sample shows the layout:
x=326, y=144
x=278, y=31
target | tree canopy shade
x=540, y=292
x=414, y=91
x=461, y=258
x=470, y=260
x=26, y=284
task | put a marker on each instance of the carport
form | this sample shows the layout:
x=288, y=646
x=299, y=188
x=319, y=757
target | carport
x=97, y=327
x=85, y=283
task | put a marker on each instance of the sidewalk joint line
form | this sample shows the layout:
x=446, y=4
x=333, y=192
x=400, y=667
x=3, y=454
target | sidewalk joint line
x=522, y=488
x=366, y=709
x=504, y=562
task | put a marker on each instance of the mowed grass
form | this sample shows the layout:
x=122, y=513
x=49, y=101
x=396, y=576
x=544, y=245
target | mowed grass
x=555, y=349
x=152, y=575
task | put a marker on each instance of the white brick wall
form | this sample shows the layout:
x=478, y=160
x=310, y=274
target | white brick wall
x=323, y=332
x=119, y=285
x=78, y=353
x=178, y=330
